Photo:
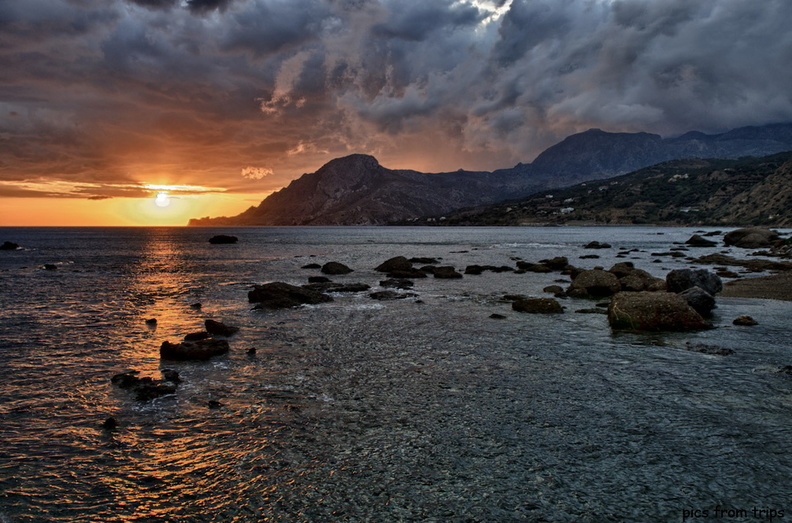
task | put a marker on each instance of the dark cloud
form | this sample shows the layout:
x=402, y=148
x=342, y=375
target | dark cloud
x=120, y=91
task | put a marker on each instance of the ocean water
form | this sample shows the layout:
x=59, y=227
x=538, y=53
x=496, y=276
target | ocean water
x=422, y=409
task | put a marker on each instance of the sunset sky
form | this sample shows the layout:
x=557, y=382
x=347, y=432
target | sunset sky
x=150, y=112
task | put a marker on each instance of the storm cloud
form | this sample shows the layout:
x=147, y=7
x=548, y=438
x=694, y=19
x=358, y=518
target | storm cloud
x=121, y=92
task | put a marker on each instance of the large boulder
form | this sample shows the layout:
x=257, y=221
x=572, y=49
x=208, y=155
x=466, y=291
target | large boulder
x=193, y=350
x=702, y=301
x=594, y=283
x=683, y=279
x=279, y=295
x=700, y=241
x=653, y=311
x=751, y=237
x=538, y=306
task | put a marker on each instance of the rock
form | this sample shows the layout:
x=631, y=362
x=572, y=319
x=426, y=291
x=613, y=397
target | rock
x=756, y=265
x=593, y=256
x=251, y=351
x=223, y=239
x=708, y=349
x=151, y=322
x=110, y=423
x=446, y=272
x=640, y=280
x=698, y=241
x=390, y=295
x=653, y=311
x=319, y=279
x=594, y=283
x=195, y=336
x=170, y=375
x=399, y=263
x=145, y=389
x=312, y=266
x=397, y=283
x=214, y=404
x=193, y=350
x=597, y=245
x=50, y=267
x=337, y=287
x=591, y=311
x=746, y=321
x=538, y=306
x=406, y=274
x=335, y=268
x=196, y=305
x=9, y=246
x=751, y=238
x=424, y=261
x=279, y=295
x=554, y=289
x=533, y=267
x=475, y=270
x=622, y=269
x=682, y=279
x=216, y=328
x=557, y=264
x=496, y=316
x=700, y=300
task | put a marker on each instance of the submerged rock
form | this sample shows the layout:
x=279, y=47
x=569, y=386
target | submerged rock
x=279, y=295
x=653, y=311
x=538, y=306
x=597, y=245
x=145, y=389
x=708, y=349
x=745, y=321
x=397, y=283
x=223, y=239
x=9, y=246
x=193, y=350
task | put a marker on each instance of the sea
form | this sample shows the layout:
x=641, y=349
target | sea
x=419, y=409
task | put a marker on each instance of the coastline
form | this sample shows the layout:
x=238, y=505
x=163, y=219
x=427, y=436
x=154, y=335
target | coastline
x=774, y=287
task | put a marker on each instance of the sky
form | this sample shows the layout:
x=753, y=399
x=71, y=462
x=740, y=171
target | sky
x=150, y=112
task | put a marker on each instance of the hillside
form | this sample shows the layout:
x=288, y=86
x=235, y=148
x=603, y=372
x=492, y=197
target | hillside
x=357, y=190
x=746, y=191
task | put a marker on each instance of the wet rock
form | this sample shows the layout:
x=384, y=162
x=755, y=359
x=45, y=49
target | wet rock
x=640, y=280
x=597, y=245
x=170, y=375
x=151, y=322
x=496, y=316
x=727, y=274
x=397, y=283
x=594, y=283
x=196, y=305
x=145, y=389
x=337, y=287
x=312, y=266
x=533, y=267
x=708, y=349
x=319, y=279
x=593, y=256
x=446, y=272
x=221, y=239
x=751, y=238
x=50, y=267
x=702, y=301
x=193, y=350
x=537, y=306
x=9, y=246
x=195, y=336
x=399, y=263
x=251, y=351
x=335, y=268
x=554, y=289
x=214, y=404
x=699, y=241
x=407, y=274
x=216, y=328
x=746, y=321
x=424, y=261
x=279, y=295
x=390, y=295
x=680, y=280
x=653, y=311
x=478, y=269
x=110, y=423
x=557, y=264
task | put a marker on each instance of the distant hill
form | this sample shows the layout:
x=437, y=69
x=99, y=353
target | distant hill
x=357, y=190
x=745, y=191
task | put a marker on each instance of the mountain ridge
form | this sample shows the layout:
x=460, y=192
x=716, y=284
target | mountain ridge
x=357, y=190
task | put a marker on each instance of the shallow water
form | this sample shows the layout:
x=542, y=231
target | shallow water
x=417, y=409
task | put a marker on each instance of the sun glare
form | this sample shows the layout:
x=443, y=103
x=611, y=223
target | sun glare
x=162, y=199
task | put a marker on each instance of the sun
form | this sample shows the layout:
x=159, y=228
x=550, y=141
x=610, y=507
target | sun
x=162, y=199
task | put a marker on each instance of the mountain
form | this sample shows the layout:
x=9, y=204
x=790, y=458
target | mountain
x=357, y=190
x=745, y=191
